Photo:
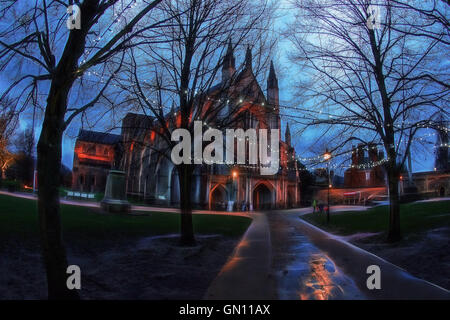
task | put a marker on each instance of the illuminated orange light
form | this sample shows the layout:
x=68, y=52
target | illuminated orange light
x=319, y=285
x=92, y=157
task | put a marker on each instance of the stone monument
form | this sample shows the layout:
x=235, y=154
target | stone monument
x=115, y=199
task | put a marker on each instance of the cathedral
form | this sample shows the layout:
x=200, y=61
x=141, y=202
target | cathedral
x=152, y=177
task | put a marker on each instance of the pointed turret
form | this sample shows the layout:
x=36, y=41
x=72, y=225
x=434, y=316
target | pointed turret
x=228, y=68
x=272, y=81
x=248, y=58
x=287, y=135
x=272, y=87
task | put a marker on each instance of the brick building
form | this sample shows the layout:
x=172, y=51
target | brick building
x=364, y=172
x=93, y=158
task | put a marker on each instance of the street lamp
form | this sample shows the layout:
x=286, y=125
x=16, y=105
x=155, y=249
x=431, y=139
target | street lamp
x=327, y=157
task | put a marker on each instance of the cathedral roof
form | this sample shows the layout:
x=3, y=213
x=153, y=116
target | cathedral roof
x=98, y=137
x=132, y=119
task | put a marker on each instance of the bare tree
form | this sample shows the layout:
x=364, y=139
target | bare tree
x=369, y=82
x=432, y=18
x=72, y=59
x=24, y=149
x=187, y=64
x=8, y=122
x=6, y=156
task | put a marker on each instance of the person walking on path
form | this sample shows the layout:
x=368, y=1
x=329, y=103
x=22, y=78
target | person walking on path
x=314, y=204
x=321, y=207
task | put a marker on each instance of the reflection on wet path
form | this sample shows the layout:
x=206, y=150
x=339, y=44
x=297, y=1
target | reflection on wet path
x=303, y=271
x=321, y=282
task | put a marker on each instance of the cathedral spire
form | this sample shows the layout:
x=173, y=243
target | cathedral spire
x=248, y=58
x=228, y=61
x=228, y=68
x=272, y=87
x=287, y=135
x=272, y=81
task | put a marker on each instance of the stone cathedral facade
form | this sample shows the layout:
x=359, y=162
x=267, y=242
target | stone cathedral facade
x=152, y=176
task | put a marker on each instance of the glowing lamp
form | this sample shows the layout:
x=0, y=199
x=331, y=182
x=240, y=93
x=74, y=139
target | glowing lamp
x=327, y=155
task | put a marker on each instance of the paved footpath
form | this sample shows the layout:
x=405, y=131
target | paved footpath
x=246, y=275
x=283, y=257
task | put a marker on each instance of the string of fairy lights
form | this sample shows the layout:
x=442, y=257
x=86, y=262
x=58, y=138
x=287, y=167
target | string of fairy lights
x=311, y=161
x=117, y=18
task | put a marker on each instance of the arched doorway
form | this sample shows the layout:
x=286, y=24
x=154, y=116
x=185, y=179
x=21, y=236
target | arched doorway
x=218, y=198
x=262, y=197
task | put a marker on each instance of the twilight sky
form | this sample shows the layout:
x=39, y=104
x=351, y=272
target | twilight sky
x=287, y=73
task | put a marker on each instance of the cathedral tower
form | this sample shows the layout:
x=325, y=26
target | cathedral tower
x=287, y=135
x=273, y=96
x=272, y=88
x=229, y=67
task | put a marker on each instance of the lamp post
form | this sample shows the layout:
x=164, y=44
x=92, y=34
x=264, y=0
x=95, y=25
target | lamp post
x=327, y=157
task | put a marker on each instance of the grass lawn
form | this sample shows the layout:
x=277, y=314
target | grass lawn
x=19, y=217
x=414, y=217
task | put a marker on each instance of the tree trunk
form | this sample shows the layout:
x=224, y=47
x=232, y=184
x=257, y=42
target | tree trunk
x=186, y=228
x=49, y=164
x=394, y=232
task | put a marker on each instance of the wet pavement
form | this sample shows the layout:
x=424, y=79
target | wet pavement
x=283, y=257
x=302, y=271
